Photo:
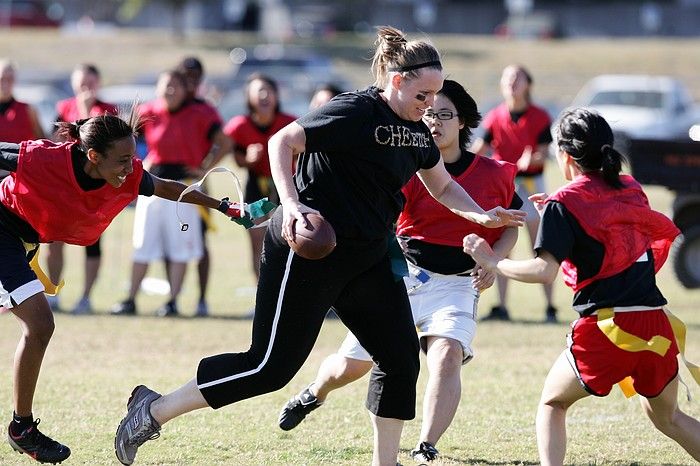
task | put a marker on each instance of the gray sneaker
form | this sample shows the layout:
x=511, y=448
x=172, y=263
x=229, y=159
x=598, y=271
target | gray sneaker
x=82, y=307
x=138, y=426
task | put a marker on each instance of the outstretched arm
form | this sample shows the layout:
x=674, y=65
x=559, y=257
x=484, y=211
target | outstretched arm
x=170, y=189
x=541, y=269
x=484, y=278
x=449, y=193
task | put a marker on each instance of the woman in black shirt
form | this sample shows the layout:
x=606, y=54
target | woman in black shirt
x=357, y=152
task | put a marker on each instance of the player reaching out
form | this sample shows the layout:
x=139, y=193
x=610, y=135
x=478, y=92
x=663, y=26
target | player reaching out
x=95, y=175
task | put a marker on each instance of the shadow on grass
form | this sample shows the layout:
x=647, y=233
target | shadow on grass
x=453, y=459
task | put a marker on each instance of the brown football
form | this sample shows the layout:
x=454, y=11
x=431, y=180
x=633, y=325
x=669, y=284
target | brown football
x=315, y=241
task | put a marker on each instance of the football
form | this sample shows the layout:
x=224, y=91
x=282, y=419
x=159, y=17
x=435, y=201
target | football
x=314, y=241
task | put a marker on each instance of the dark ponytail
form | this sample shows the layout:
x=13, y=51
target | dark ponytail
x=611, y=165
x=588, y=139
x=100, y=132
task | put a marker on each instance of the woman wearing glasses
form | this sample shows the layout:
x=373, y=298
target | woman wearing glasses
x=517, y=131
x=443, y=283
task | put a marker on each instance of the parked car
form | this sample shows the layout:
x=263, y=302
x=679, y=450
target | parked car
x=297, y=71
x=676, y=166
x=642, y=106
x=34, y=13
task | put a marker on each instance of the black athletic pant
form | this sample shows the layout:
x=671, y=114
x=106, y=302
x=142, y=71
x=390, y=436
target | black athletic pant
x=293, y=297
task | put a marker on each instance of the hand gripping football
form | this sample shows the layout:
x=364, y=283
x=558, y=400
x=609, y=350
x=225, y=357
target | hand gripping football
x=315, y=241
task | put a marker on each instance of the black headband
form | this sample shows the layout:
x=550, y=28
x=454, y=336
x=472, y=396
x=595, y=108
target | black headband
x=415, y=67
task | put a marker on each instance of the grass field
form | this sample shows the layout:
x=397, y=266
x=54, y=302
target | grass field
x=94, y=361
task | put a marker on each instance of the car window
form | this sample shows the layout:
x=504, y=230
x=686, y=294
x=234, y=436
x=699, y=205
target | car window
x=647, y=99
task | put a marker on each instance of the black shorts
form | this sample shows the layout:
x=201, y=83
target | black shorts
x=17, y=280
x=293, y=297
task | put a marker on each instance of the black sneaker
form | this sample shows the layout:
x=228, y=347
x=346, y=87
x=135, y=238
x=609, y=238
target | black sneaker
x=497, y=313
x=125, y=308
x=425, y=452
x=168, y=309
x=297, y=408
x=37, y=445
x=551, y=315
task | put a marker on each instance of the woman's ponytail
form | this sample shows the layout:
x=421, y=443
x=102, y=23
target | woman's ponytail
x=70, y=131
x=611, y=165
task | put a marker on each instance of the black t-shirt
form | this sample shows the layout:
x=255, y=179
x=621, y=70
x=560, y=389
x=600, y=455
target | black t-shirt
x=9, y=153
x=439, y=258
x=561, y=235
x=359, y=154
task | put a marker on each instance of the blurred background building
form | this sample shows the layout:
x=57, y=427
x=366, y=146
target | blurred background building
x=520, y=18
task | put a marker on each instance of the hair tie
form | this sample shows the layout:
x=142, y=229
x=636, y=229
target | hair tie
x=604, y=148
x=415, y=67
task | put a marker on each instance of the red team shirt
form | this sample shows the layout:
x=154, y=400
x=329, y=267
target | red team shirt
x=44, y=187
x=620, y=219
x=244, y=132
x=67, y=109
x=509, y=138
x=181, y=137
x=16, y=124
x=489, y=183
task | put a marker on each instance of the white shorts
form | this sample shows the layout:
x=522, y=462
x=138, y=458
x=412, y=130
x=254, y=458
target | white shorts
x=19, y=295
x=526, y=186
x=157, y=232
x=442, y=306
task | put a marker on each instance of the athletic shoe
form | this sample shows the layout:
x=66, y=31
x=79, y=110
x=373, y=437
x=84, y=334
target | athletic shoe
x=82, y=307
x=497, y=313
x=297, y=408
x=202, y=309
x=125, y=308
x=138, y=425
x=425, y=452
x=168, y=309
x=37, y=445
x=551, y=315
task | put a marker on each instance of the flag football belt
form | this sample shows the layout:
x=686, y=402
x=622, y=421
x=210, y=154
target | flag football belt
x=204, y=213
x=424, y=276
x=50, y=288
x=249, y=212
x=657, y=344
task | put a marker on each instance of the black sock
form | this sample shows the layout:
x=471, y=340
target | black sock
x=20, y=423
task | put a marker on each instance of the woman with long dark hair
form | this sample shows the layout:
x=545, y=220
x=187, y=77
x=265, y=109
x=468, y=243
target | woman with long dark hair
x=609, y=243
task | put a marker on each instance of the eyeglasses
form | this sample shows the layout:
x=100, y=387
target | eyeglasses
x=441, y=115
